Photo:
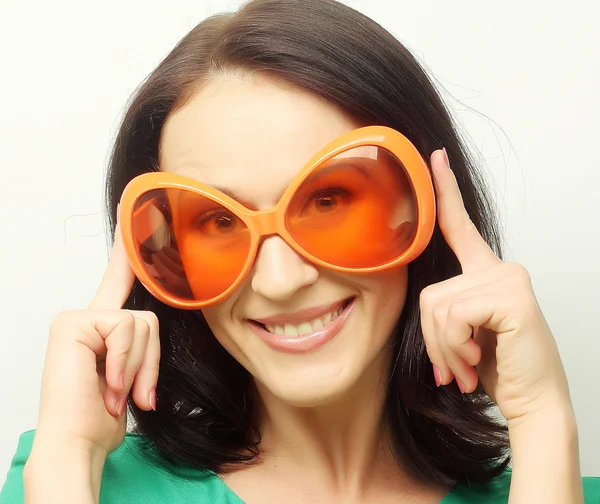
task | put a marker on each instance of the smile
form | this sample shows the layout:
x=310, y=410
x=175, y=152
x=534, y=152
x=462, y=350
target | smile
x=303, y=331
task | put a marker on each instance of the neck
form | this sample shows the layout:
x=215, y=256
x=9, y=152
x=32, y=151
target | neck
x=344, y=444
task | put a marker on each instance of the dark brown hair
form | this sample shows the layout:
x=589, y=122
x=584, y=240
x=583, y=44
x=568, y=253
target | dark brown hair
x=205, y=413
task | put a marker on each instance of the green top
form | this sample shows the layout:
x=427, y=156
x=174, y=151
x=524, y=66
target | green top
x=130, y=477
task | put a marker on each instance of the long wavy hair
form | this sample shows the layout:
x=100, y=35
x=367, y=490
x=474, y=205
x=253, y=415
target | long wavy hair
x=205, y=415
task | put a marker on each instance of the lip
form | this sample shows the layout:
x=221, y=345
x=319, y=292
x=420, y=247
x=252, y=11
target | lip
x=307, y=342
x=300, y=316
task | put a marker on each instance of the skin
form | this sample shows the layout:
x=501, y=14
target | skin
x=323, y=406
x=252, y=137
x=333, y=434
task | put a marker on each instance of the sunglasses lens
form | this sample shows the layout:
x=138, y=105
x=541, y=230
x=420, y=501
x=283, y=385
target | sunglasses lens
x=356, y=210
x=192, y=247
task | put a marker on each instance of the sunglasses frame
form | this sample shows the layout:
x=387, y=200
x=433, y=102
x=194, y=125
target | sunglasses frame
x=268, y=222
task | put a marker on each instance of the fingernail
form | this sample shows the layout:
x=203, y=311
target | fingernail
x=121, y=405
x=438, y=376
x=461, y=387
x=446, y=156
x=122, y=381
x=152, y=399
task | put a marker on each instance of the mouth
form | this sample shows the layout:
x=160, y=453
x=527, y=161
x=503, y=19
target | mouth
x=295, y=336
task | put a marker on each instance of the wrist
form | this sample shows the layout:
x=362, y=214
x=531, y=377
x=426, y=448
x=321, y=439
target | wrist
x=545, y=458
x=548, y=431
x=47, y=443
x=551, y=431
x=556, y=410
x=58, y=473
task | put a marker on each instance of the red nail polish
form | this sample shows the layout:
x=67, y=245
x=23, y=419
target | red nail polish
x=152, y=399
x=438, y=376
x=446, y=156
x=121, y=405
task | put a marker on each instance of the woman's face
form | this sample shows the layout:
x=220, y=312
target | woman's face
x=251, y=136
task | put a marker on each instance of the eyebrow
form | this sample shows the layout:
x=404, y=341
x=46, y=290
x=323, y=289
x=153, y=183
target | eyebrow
x=229, y=192
x=232, y=194
x=344, y=163
x=331, y=164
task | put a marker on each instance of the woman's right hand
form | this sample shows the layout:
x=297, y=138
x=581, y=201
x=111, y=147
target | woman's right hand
x=93, y=359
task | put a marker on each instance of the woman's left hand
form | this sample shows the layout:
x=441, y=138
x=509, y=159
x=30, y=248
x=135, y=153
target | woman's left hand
x=486, y=323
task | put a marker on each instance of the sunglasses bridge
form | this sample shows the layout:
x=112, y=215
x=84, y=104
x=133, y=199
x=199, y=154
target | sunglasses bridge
x=265, y=222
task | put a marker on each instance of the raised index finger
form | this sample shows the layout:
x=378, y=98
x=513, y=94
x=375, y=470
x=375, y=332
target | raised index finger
x=118, y=278
x=459, y=231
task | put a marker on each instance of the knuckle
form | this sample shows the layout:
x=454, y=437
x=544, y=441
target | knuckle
x=151, y=318
x=56, y=324
x=58, y=320
x=127, y=320
x=518, y=270
x=142, y=327
x=440, y=312
x=455, y=310
x=119, y=353
x=427, y=298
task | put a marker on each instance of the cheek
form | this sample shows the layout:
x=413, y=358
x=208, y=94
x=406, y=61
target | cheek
x=228, y=329
x=385, y=294
x=387, y=290
x=218, y=318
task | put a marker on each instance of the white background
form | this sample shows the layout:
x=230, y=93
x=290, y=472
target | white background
x=523, y=78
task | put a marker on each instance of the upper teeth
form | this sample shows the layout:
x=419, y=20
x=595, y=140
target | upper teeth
x=291, y=330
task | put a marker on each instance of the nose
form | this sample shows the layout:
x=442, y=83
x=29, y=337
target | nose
x=279, y=271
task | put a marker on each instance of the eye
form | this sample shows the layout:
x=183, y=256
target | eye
x=218, y=222
x=326, y=200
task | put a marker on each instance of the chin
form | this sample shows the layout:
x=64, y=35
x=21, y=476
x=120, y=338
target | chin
x=302, y=398
x=312, y=389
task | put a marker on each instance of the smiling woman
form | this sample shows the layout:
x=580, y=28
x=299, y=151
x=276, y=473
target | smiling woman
x=304, y=302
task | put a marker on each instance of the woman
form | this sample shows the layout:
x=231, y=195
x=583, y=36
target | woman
x=338, y=346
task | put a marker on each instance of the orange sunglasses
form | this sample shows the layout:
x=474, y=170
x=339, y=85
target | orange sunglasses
x=364, y=203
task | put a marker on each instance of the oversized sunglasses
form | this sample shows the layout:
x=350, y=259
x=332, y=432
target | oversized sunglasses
x=364, y=203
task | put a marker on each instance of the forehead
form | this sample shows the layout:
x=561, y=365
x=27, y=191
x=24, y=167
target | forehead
x=249, y=134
